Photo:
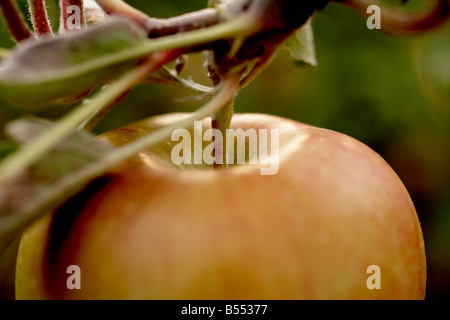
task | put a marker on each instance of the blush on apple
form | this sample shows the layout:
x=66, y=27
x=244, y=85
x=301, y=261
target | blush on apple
x=154, y=230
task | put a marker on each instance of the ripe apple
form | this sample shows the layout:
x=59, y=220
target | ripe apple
x=152, y=230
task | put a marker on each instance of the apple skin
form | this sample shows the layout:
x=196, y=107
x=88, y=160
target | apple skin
x=309, y=232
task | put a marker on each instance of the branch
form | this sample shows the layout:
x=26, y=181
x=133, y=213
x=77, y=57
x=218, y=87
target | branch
x=163, y=27
x=399, y=21
x=14, y=19
x=39, y=18
x=183, y=23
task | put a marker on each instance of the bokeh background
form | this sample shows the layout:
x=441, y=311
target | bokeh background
x=391, y=93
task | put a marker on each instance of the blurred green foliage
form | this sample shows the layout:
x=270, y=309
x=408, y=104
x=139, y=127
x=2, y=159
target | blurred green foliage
x=391, y=93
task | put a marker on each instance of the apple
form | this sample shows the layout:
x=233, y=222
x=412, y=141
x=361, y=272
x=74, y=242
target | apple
x=335, y=222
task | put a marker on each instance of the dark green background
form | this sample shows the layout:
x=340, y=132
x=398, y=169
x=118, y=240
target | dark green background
x=391, y=93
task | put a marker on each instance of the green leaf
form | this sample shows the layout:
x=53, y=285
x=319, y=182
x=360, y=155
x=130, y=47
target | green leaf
x=23, y=195
x=70, y=66
x=74, y=152
x=301, y=46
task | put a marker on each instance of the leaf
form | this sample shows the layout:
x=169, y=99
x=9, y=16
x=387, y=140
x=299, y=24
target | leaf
x=301, y=46
x=22, y=194
x=68, y=67
x=74, y=152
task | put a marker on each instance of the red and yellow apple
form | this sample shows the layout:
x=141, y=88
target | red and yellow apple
x=152, y=230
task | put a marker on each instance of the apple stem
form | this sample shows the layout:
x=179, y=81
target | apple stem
x=38, y=14
x=90, y=123
x=221, y=121
x=14, y=19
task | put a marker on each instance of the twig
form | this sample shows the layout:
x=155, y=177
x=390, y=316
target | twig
x=163, y=27
x=14, y=19
x=399, y=21
x=39, y=18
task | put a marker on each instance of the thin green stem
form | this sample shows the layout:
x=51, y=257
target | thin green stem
x=222, y=121
x=157, y=62
x=95, y=118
